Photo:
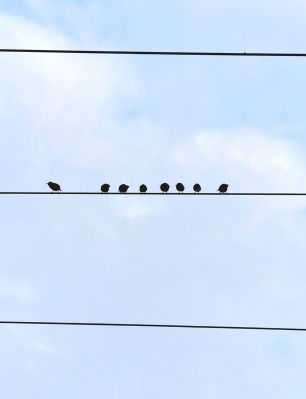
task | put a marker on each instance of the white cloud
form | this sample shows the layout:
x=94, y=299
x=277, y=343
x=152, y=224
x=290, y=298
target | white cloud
x=18, y=292
x=253, y=158
x=35, y=344
x=71, y=107
x=133, y=209
x=250, y=160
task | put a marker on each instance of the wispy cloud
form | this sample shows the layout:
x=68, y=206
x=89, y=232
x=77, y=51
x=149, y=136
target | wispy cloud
x=253, y=158
x=17, y=292
x=134, y=209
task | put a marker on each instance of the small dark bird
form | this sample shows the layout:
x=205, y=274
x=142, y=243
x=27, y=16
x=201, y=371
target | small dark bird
x=123, y=188
x=54, y=186
x=197, y=188
x=180, y=187
x=105, y=188
x=223, y=188
x=164, y=187
x=143, y=188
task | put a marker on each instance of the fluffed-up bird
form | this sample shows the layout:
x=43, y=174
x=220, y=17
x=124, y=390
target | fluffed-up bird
x=180, y=187
x=143, y=188
x=54, y=186
x=223, y=188
x=105, y=188
x=197, y=188
x=164, y=187
x=123, y=188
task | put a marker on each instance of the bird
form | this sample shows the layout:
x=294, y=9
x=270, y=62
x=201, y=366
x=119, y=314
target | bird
x=223, y=188
x=54, y=186
x=123, y=188
x=180, y=187
x=164, y=187
x=105, y=188
x=143, y=188
x=197, y=188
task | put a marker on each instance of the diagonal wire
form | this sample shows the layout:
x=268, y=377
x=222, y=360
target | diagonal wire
x=152, y=325
x=156, y=53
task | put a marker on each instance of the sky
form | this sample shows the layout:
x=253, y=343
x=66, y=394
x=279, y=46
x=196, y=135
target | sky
x=85, y=120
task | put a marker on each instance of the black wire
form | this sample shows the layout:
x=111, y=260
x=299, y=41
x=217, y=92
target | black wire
x=150, y=325
x=160, y=53
x=145, y=194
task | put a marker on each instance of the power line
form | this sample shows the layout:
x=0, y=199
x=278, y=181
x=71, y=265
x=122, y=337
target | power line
x=146, y=194
x=151, y=325
x=156, y=53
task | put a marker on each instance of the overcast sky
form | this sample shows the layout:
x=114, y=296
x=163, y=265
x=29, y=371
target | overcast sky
x=85, y=120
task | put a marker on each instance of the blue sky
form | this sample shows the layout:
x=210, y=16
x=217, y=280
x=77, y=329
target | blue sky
x=82, y=121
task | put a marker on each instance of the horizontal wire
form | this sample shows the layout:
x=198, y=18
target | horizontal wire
x=160, y=53
x=150, y=325
x=145, y=194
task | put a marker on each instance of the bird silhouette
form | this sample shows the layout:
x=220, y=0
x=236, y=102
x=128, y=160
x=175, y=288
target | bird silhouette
x=180, y=187
x=123, y=188
x=105, y=188
x=143, y=188
x=223, y=188
x=197, y=188
x=54, y=186
x=164, y=187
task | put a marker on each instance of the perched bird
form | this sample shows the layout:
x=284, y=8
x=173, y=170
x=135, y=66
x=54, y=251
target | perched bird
x=197, y=188
x=54, y=186
x=164, y=187
x=143, y=188
x=123, y=188
x=105, y=188
x=223, y=188
x=180, y=187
